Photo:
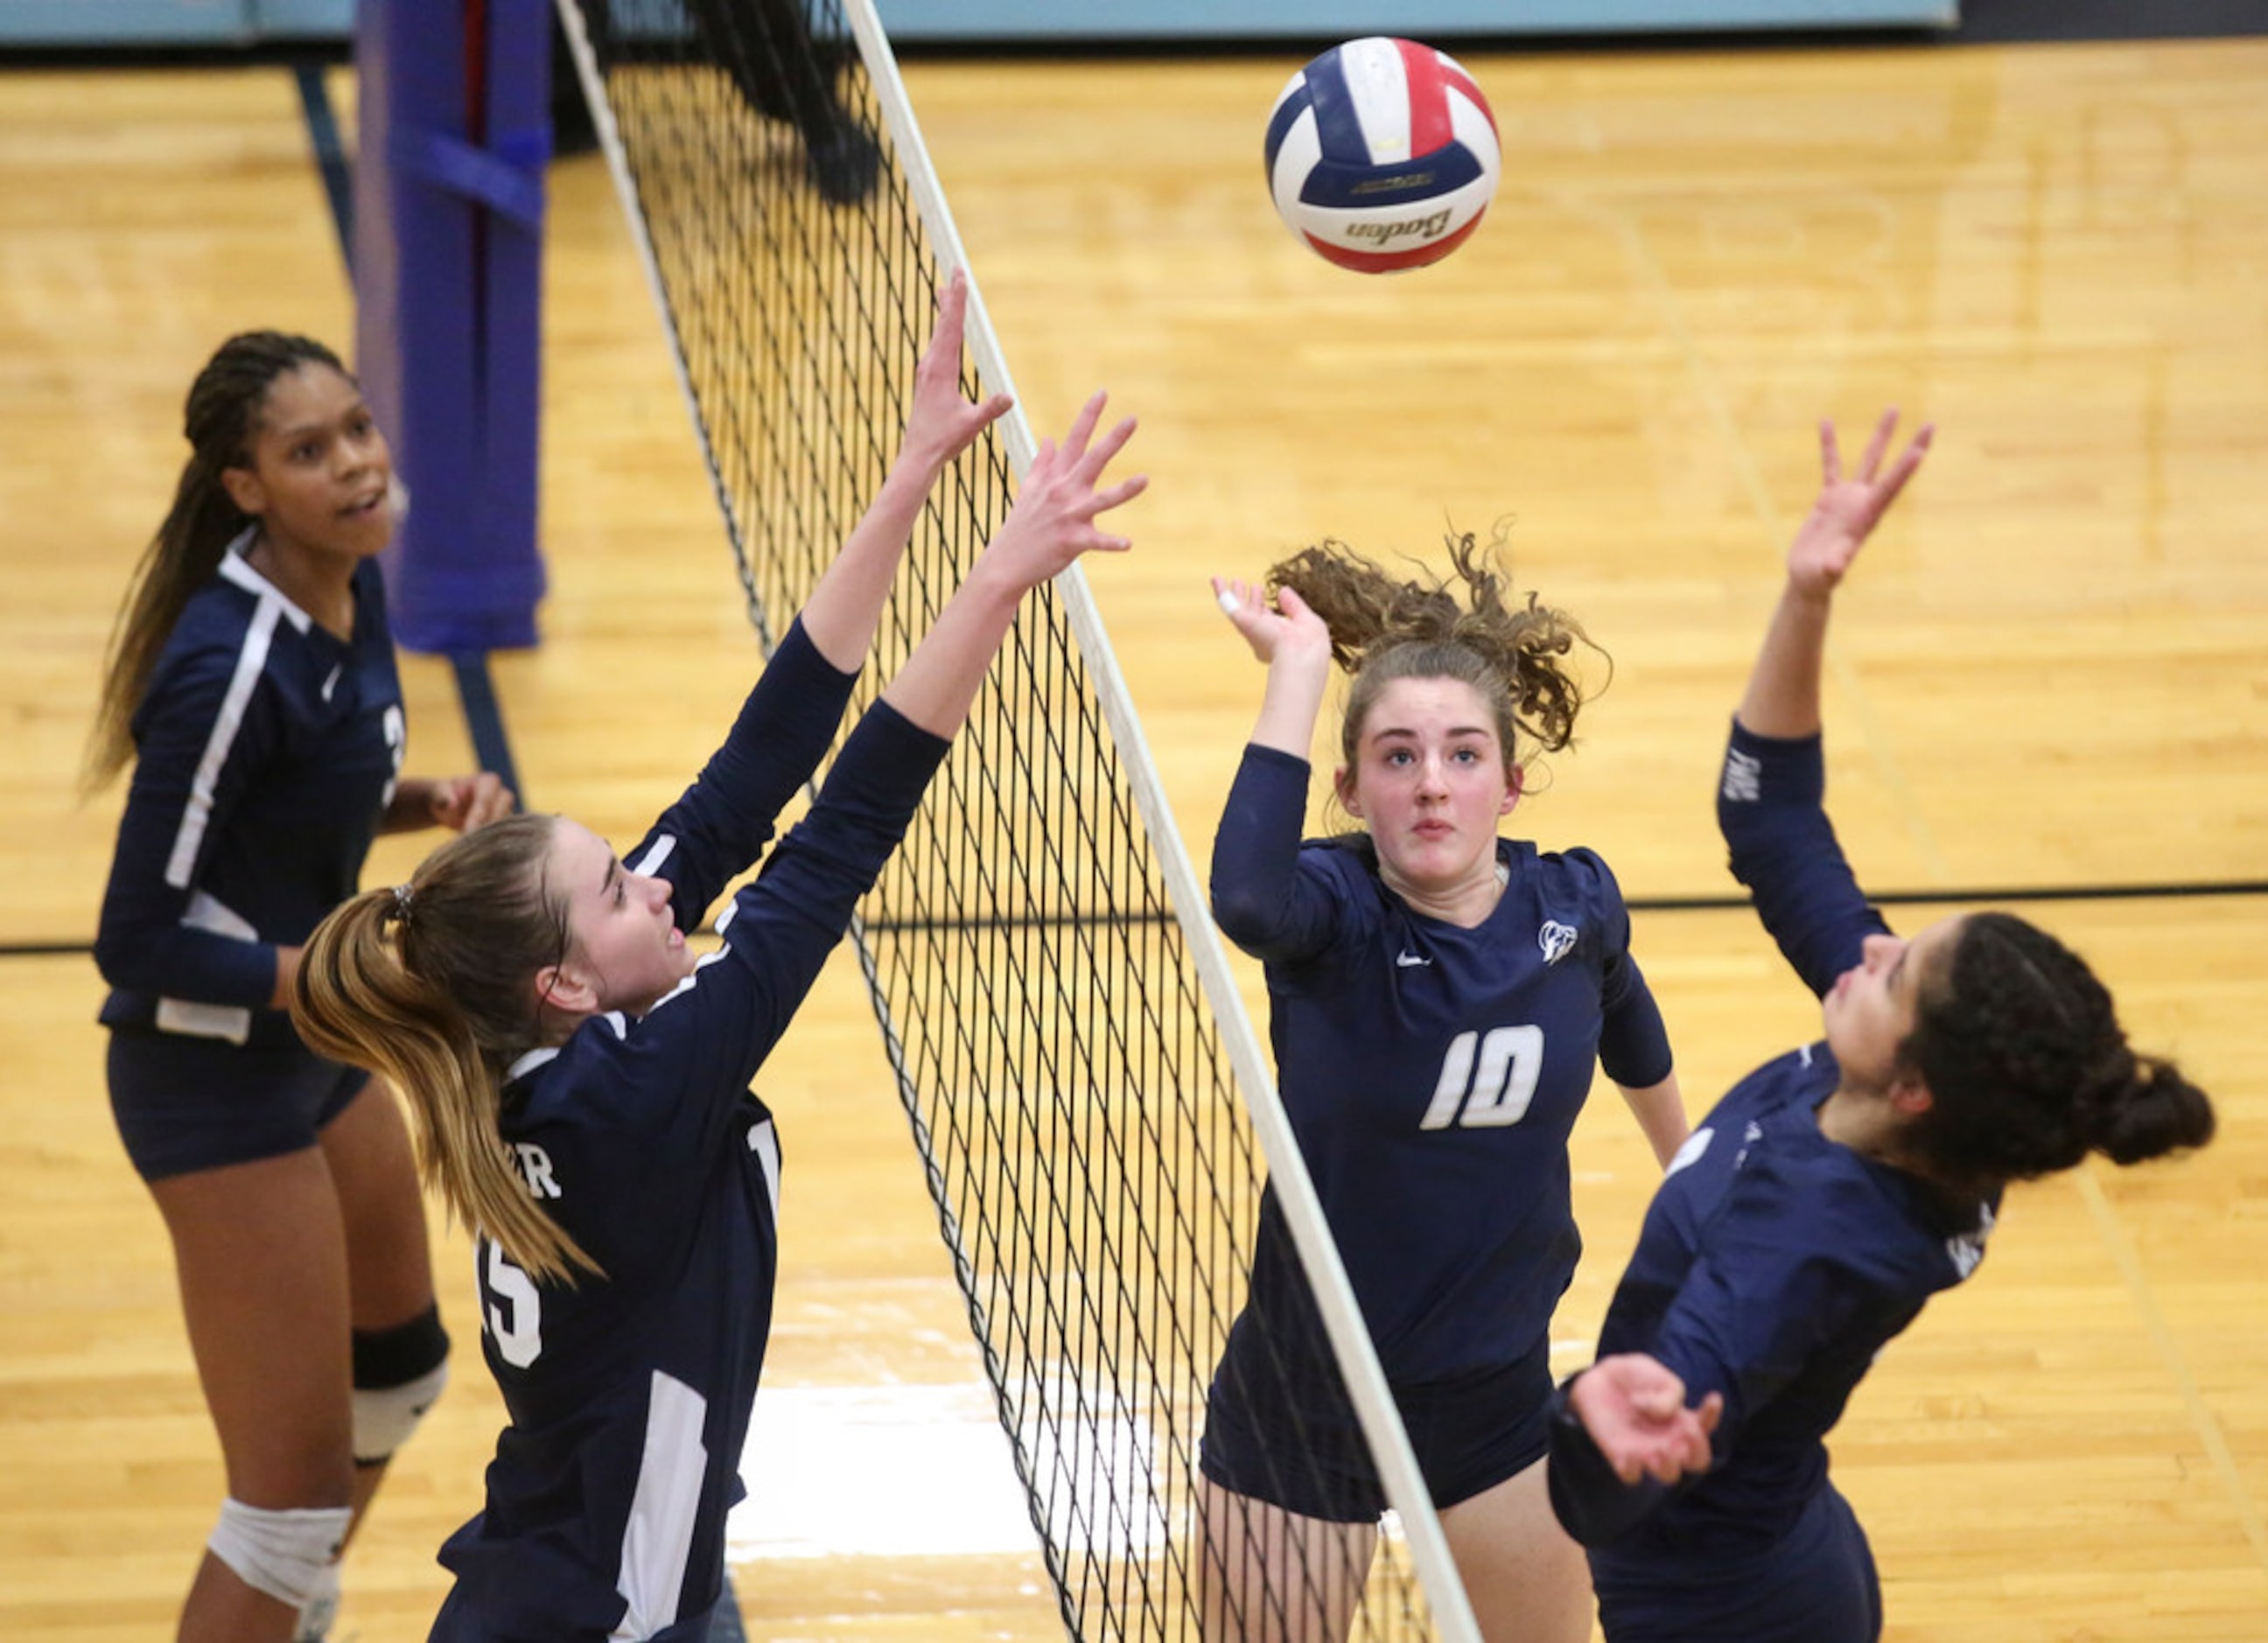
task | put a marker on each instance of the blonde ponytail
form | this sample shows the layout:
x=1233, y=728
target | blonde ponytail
x=433, y=987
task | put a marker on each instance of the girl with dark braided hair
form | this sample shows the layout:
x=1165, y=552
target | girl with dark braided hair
x=1833, y=1190
x=1439, y=998
x=252, y=686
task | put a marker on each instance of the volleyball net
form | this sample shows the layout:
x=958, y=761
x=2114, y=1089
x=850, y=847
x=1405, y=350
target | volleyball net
x=1064, y=1033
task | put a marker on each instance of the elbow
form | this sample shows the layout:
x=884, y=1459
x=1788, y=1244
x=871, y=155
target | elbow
x=114, y=954
x=1243, y=917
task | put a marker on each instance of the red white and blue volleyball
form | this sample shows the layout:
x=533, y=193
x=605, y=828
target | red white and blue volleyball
x=1382, y=155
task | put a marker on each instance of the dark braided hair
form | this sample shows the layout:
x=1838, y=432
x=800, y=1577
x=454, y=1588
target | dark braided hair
x=219, y=420
x=2027, y=1068
x=1384, y=628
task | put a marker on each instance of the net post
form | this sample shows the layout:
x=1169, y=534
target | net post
x=454, y=138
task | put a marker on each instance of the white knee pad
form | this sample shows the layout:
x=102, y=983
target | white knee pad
x=384, y=1417
x=321, y=1608
x=284, y=1554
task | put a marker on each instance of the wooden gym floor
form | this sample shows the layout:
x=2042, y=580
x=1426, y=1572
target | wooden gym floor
x=2051, y=673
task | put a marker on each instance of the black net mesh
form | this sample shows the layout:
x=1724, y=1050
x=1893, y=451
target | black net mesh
x=1095, y=1176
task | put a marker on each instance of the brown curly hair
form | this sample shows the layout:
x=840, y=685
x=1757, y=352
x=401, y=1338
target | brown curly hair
x=1514, y=653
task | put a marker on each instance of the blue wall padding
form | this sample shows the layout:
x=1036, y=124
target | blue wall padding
x=455, y=109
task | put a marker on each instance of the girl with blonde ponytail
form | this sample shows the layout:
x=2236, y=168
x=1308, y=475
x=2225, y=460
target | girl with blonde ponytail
x=430, y=1005
x=580, y=1082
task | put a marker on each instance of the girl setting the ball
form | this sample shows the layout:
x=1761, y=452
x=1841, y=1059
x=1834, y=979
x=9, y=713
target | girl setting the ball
x=1439, y=999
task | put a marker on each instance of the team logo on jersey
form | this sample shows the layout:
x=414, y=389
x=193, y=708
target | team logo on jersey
x=1556, y=940
x=1744, y=777
x=1968, y=1249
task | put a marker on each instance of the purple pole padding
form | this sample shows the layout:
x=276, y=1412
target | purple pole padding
x=455, y=104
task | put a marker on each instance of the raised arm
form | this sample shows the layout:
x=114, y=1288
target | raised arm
x=724, y=820
x=1296, y=647
x=845, y=609
x=1259, y=899
x=1771, y=799
x=1783, y=694
x=1051, y=524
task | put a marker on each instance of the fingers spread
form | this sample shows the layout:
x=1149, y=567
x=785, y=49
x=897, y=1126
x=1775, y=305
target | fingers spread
x=1879, y=443
x=1082, y=426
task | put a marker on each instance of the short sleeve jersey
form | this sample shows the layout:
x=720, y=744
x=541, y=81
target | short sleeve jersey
x=267, y=749
x=1431, y=1073
x=629, y=1394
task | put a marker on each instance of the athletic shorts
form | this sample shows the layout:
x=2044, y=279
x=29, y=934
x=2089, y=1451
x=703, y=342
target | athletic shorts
x=184, y=1104
x=1293, y=1439
x=1815, y=1584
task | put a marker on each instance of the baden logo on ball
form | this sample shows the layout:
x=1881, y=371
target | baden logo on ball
x=1382, y=155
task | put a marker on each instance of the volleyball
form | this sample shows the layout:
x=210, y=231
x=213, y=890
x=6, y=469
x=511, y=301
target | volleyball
x=1382, y=155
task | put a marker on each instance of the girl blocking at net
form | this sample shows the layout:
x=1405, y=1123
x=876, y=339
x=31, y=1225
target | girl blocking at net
x=1832, y=1192
x=1439, y=998
x=580, y=1081
x=251, y=683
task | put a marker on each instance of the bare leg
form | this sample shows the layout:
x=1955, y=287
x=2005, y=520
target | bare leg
x=261, y=1252
x=1528, y=1582
x=1266, y=1575
x=389, y=1267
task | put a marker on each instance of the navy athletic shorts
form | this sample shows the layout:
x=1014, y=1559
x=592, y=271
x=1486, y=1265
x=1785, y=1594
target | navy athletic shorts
x=1815, y=1584
x=184, y=1104
x=1289, y=1437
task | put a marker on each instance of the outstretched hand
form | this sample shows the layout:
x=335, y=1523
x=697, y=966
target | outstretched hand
x=1634, y=1408
x=1846, y=510
x=1053, y=521
x=941, y=424
x=1289, y=628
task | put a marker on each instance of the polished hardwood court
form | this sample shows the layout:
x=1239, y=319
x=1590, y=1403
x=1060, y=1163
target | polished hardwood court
x=2051, y=673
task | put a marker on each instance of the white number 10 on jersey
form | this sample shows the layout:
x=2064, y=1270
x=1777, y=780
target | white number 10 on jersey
x=1487, y=1083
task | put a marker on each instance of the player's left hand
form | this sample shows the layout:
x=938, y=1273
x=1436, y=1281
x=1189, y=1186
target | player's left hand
x=1847, y=509
x=468, y=803
x=1634, y=1408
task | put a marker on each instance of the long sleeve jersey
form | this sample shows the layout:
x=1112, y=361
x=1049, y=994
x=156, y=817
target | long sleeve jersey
x=1774, y=1263
x=1431, y=1073
x=266, y=751
x=629, y=1395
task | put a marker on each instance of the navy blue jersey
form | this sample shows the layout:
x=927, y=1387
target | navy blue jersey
x=266, y=751
x=1431, y=1073
x=629, y=1395
x=1774, y=1263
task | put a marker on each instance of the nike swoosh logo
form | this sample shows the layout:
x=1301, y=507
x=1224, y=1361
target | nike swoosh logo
x=1406, y=960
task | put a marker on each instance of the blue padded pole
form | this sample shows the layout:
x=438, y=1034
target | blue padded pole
x=454, y=110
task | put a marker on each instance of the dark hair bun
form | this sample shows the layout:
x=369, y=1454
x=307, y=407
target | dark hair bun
x=2155, y=1112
